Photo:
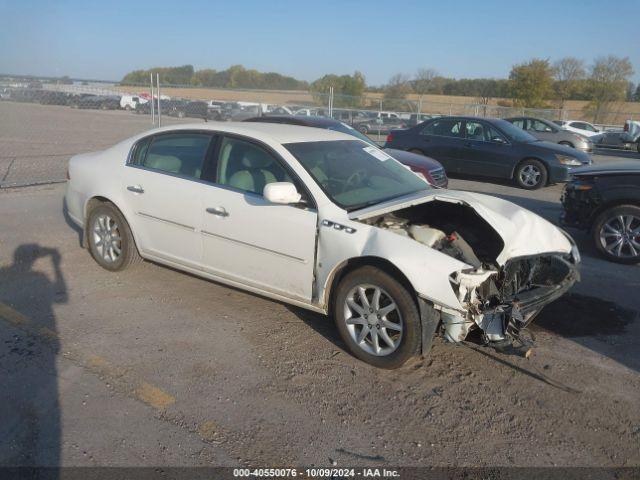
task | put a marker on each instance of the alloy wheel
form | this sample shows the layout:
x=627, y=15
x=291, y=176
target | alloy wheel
x=620, y=236
x=373, y=319
x=530, y=175
x=106, y=238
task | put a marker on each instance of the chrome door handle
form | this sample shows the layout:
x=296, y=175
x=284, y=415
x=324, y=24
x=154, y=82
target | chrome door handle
x=218, y=211
x=135, y=189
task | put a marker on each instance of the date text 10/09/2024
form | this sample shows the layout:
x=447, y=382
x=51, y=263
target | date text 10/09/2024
x=316, y=472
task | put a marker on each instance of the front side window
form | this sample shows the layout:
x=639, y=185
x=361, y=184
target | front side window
x=483, y=132
x=248, y=167
x=355, y=174
x=177, y=153
x=444, y=128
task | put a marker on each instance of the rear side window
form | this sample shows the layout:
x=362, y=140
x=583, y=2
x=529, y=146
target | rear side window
x=180, y=154
x=445, y=128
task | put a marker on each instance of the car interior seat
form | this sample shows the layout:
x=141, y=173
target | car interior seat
x=255, y=172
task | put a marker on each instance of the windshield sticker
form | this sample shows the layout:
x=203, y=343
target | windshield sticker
x=376, y=152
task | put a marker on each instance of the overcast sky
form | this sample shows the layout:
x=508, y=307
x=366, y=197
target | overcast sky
x=104, y=40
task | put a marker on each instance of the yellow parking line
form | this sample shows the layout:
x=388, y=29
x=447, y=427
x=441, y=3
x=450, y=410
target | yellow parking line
x=13, y=316
x=153, y=396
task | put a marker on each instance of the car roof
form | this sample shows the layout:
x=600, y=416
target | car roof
x=305, y=120
x=276, y=132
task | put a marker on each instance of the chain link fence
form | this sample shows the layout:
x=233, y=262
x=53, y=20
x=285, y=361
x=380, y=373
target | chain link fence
x=43, y=124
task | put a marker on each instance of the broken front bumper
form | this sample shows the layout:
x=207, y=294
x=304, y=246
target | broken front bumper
x=503, y=304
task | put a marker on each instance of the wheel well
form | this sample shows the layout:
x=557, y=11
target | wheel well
x=354, y=263
x=566, y=142
x=513, y=173
x=93, y=203
x=611, y=204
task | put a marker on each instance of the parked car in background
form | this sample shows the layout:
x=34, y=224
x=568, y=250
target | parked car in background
x=350, y=232
x=186, y=108
x=426, y=167
x=236, y=112
x=279, y=110
x=382, y=125
x=487, y=147
x=550, y=132
x=628, y=138
x=578, y=126
x=605, y=201
x=312, y=112
x=130, y=102
x=214, y=109
x=415, y=118
x=99, y=102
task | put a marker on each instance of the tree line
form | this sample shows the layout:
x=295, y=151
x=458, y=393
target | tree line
x=537, y=83
x=235, y=76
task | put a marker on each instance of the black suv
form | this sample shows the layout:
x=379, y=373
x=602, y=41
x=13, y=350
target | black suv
x=605, y=200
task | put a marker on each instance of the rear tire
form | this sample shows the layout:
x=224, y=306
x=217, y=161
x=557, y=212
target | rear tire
x=531, y=174
x=109, y=238
x=388, y=323
x=363, y=129
x=618, y=224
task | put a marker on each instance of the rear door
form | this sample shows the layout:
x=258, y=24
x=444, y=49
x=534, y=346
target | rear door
x=442, y=139
x=163, y=183
x=249, y=240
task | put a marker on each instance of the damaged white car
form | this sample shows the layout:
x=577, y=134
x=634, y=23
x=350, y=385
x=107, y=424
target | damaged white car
x=322, y=220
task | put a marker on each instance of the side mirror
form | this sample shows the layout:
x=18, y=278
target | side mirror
x=281, y=192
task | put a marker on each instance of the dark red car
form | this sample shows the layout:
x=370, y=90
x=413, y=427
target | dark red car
x=429, y=168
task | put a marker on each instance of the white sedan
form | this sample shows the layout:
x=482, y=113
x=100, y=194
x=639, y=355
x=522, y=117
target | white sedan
x=324, y=221
x=578, y=126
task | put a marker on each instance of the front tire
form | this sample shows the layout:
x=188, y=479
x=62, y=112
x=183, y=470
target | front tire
x=109, y=237
x=531, y=175
x=363, y=129
x=377, y=318
x=616, y=234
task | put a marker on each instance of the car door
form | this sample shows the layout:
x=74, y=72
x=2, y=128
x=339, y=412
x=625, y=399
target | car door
x=486, y=151
x=162, y=183
x=249, y=240
x=541, y=130
x=442, y=140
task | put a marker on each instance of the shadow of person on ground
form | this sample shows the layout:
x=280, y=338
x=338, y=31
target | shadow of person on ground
x=30, y=414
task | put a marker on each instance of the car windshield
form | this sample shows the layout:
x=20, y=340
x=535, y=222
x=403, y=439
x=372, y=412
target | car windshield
x=344, y=128
x=355, y=174
x=515, y=133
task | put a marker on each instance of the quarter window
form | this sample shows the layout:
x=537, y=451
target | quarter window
x=180, y=153
x=248, y=167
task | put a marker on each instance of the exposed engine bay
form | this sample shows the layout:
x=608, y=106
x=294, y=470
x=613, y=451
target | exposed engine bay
x=499, y=300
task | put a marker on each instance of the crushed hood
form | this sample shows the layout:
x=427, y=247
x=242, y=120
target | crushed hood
x=524, y=233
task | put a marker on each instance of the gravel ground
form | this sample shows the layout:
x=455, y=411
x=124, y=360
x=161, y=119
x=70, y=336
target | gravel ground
x=155, y=367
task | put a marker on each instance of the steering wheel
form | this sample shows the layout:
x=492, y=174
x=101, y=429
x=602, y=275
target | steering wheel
x=356, y=178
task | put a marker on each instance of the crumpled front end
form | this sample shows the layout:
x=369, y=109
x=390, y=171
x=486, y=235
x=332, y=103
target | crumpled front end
x=502, y=303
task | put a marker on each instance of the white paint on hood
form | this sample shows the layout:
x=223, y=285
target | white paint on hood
x=523, y=232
